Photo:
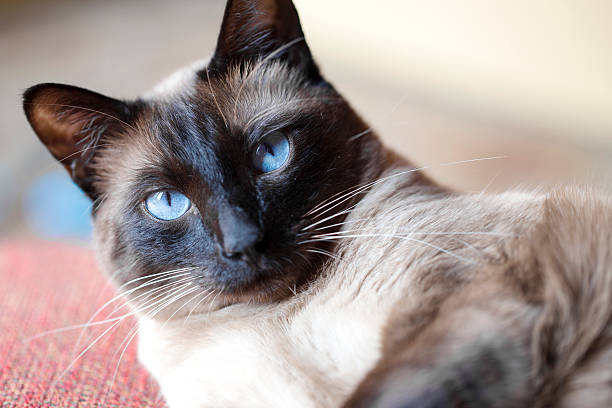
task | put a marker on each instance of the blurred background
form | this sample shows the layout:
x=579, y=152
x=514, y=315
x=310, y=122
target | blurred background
x=440, y=81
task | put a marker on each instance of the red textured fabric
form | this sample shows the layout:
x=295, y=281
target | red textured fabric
x=47, y=286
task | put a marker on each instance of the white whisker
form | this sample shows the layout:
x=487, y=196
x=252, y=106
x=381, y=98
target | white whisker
x=358, y=189
x=98, y=338
x=91, y=322
x=213, y=302
x=467, y=244
x=486, y=187
x=137, y=308
x=339, y=224
x=395, y=237
x=345, y=211
x=399, y=232
x=69, y=367
x=358, y=135
x=129, y=337
x=184, y=304
x=324, y=252
x=134, y=331
x=207, y=295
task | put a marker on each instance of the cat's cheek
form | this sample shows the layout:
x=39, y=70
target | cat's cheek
x=149, y=246
x=170, y=242
x=106, y=243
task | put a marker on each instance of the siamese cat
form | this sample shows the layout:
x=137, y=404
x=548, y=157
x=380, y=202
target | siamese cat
x=278, y=255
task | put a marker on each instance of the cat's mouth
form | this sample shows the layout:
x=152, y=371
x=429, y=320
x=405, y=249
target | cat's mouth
x=257, y=275
x=264, y=274
x=252, y=259
x=278, y=266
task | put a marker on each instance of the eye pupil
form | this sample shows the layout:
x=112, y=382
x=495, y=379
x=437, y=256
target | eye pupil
x=269, y=149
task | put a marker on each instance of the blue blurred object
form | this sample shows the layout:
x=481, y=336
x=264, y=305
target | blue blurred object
x=57, y=208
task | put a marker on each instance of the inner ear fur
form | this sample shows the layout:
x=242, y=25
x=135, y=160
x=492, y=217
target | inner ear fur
x=253, y=29
x=73, y=123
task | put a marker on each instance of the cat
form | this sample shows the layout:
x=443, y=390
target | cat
x=278, y=255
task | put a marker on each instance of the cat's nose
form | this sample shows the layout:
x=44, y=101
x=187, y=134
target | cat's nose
x=239, y=233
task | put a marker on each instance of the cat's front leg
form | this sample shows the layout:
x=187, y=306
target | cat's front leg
x=475, y=352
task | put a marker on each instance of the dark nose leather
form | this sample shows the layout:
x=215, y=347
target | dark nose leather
x=239, y=233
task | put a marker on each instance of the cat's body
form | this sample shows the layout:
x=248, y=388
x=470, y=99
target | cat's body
x=313, y=349
x=393, y=294
x=278, y=255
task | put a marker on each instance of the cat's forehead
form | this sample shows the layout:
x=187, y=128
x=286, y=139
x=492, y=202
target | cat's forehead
x=199, y=121
x=258, y=94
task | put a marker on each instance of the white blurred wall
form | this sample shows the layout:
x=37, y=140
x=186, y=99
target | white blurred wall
x=439, y=80
x=545, y=62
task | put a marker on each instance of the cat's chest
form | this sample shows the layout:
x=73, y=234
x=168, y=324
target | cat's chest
x=310, y=359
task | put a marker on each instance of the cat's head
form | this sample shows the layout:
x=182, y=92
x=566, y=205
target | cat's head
x=216, y=173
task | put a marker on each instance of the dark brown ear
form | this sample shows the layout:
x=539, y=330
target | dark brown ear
x=254, y=29
x=73, y=122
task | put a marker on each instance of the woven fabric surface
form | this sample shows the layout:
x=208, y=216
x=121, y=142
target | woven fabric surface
x=45, y=287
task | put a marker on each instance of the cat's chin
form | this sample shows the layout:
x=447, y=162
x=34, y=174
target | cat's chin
x=265, y=286
x=264, y=278
x=195, y=294
x=207, y=301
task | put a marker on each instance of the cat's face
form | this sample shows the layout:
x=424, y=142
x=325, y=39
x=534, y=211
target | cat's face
x=217, y=178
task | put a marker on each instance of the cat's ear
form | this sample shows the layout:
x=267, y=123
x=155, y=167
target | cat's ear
x=254, y=29
x=72, y=123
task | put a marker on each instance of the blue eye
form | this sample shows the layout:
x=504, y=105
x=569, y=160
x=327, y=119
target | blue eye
x=167, y=205
x=271, y=152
